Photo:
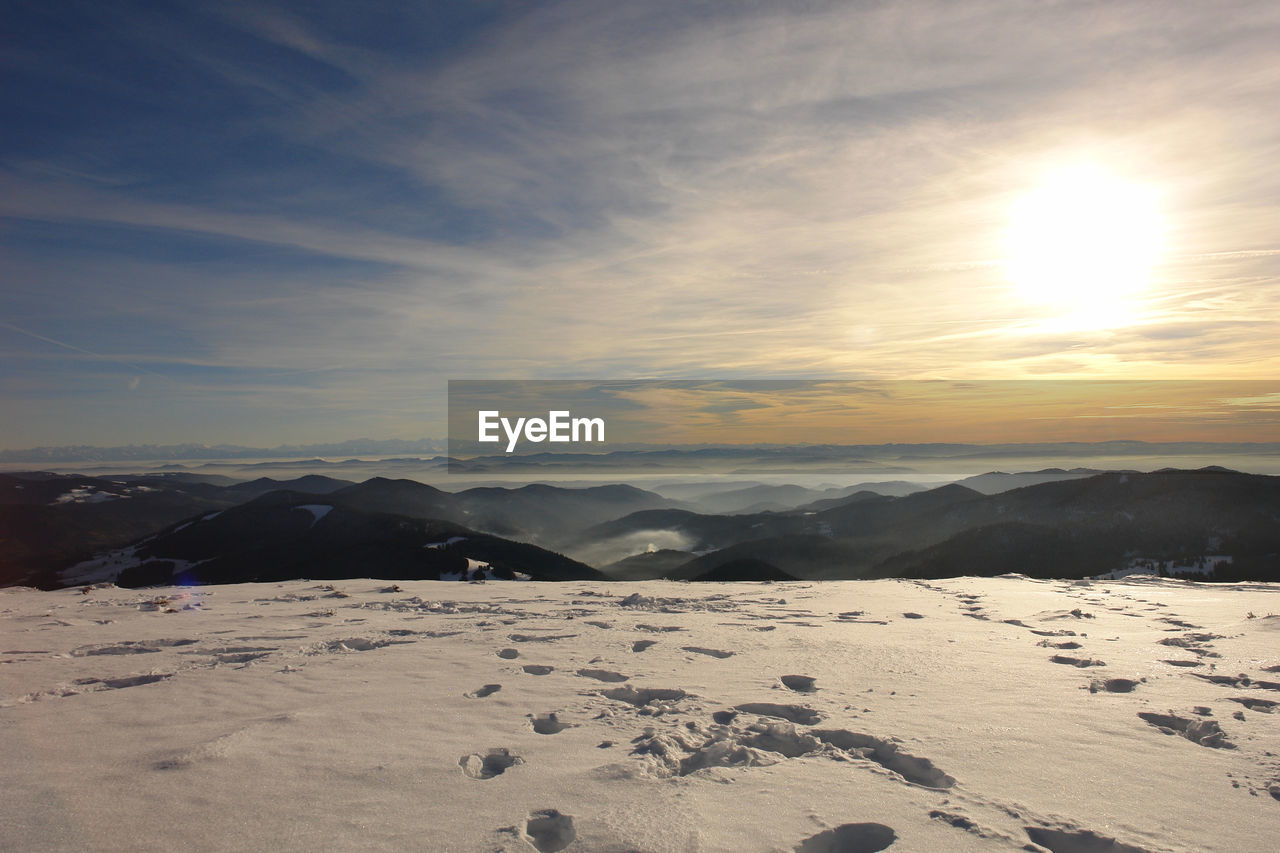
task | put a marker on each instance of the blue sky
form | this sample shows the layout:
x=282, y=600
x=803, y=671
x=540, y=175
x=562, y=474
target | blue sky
x=262, y=223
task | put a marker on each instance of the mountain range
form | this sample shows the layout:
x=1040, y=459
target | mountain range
x=1061, y=528
x=91, y=453
x=57, y=530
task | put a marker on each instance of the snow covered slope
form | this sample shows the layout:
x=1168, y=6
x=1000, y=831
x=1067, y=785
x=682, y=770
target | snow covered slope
x=969, y=714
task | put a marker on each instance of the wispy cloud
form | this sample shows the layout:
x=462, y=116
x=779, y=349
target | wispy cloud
x=586, y=189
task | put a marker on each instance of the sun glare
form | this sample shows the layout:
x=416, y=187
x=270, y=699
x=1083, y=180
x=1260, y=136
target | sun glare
x=1083, y=242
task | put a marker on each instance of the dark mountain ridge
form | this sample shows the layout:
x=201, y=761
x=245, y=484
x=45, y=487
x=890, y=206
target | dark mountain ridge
x=41, y=534
x=285, y=535
x=1065, y=526
x=1062, y=528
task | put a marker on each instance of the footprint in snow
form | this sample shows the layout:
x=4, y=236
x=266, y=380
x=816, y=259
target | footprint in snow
x=800, y=683
x=603, y=675
x=850, y=838
x=548, y=724
x=1078, y=841
x=794, y=713
x=549, y=830
x=1080, y=662
x=495, y=763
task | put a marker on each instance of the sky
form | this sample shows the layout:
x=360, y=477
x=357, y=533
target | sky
x=860, y=412
x=264, y=223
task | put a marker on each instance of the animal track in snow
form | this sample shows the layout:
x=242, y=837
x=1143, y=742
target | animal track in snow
x=795, y=713
x=606, y=675
x=641, y=696
x=129, y=647
x=959, y=821
x=855, y=616
x=1197, y=644
x=1080, y=662
x=529, y=638
x=127, y=681
x=917, y=771
x=1050, y=615
x=1179, y=623
x=549, y=830
x=1113, y=685
x=850, y=838
x=800, y=683
x=216, y=651
x=508, y=654
x=495, y=763
x=1204, y=732
x=487, y=690
x=94, y=685
x=538, y=669
x=1263, y=705
x=548, y=724
x=685, y=751
x=715, y=653
x=781, y=738
x=1239, y=681
x=241, y=657
x=362, y=644
x=1078, y=841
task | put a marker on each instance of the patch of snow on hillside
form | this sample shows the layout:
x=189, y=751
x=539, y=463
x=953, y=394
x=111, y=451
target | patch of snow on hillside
x=102, y=568
x=107, y=567
x=452, y=540
x=477, y=570
x=318, y=511
x=1204, y=566
x=85, y=495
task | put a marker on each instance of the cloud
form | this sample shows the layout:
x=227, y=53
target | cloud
x=583, y=189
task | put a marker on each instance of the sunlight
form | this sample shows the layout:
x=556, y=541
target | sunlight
x=1083, y=242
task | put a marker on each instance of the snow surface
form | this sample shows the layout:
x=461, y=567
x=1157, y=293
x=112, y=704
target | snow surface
x=85, y=495
x=477, y=570
x=318, y=511
x=967, y=714
x=452, y=540
x=1150, y=566
x=102, y=567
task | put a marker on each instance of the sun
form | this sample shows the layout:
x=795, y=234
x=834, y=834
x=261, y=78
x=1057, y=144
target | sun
x=1083, y=241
